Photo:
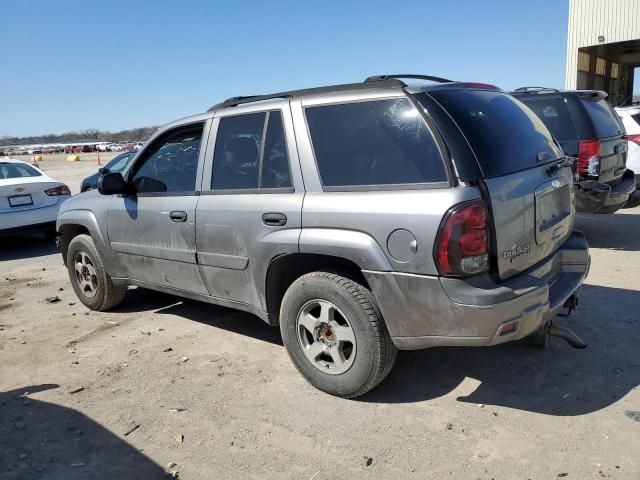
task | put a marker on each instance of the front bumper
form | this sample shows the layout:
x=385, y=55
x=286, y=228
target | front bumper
x=424, y=311
x=595, y=197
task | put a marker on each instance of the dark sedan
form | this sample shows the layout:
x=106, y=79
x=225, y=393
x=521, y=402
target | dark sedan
x=117, y=164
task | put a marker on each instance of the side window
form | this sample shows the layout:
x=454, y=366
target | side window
x=379, y=142
x=171, y=163
x=236, y=156
x=275, y=165
x=247, y=158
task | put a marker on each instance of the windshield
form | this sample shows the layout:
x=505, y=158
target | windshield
x=17, y=170
x=119, y=163
x=504, y=134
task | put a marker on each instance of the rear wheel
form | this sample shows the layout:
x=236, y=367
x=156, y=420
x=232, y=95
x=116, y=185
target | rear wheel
x=335, y=334
x=92, y=284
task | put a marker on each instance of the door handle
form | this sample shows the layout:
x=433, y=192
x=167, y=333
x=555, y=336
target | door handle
x=178, y=216
x=274, y=219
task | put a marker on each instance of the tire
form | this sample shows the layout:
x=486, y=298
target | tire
x=50, y=234
x=91, y=282
x=352, y=356
x=540, y=338
x=633, y=202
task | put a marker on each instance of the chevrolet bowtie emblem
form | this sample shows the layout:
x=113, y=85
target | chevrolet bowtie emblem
x=20, y=189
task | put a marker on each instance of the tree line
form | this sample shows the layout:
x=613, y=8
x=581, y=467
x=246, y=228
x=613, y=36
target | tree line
x=88, y=135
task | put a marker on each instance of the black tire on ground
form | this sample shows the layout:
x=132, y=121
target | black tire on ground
x=50, y=234
x=634, y=201
x=540, y=338
x=375, y=353
x=107, y=294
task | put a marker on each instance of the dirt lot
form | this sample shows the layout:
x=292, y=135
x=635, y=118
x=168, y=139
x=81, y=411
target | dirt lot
x=212, y=391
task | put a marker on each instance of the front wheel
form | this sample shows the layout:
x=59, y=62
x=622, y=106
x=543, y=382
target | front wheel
x=91, y=282
x=335, y=334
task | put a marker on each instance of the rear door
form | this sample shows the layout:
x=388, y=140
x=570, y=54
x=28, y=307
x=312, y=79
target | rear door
x=153, y=229
x=530, y=199
x=251, y=204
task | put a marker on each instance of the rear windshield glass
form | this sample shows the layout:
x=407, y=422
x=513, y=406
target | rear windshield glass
x=636, y=117
x=380, y=142
x=605, y=120
x=17, y=170
x=505, y=136
x=553, y=111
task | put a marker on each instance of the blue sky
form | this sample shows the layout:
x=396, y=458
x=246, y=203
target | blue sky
x=72, y=65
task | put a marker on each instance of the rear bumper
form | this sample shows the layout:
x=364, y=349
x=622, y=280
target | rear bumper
x=36, y=219
x=38, y=227
x=596, y=197
x=423, y=311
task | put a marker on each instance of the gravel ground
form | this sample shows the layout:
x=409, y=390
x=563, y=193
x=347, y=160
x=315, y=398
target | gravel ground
x=164, y=385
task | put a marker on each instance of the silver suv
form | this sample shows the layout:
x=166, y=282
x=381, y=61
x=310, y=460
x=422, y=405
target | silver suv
x=360, y=218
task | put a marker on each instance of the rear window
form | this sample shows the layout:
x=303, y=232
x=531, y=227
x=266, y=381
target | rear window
x=553, y=111
x=379, y=142
x=17, y=170
x=636, y=117
x=505, y=136
x=604, y=118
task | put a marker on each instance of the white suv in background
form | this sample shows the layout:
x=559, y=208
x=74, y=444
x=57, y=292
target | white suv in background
x=630, y=117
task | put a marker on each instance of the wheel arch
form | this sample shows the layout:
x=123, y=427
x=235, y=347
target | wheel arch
x=285, y=269
x=76, y=222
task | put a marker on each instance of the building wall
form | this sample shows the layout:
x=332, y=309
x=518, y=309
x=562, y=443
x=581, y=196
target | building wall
x=616, y=20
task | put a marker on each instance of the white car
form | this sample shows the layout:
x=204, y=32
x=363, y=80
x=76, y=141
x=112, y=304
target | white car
x=29, y=199
x=630, y=117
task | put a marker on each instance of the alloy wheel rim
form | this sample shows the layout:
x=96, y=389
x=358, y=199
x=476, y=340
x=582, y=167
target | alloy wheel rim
x=326, y=337
x=85, y=273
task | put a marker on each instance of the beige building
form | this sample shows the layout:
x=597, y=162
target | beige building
x=603, y=47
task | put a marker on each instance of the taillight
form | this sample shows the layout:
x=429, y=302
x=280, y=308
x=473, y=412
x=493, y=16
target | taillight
x=634, y=138
x=588, y=158
x=462, y=245
x=61, y=190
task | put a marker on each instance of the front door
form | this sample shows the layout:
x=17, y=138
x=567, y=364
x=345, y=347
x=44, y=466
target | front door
x=152, y=230
x=251, y=212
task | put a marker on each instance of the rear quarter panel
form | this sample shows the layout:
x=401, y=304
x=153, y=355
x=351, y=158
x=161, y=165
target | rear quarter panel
x=378, y=215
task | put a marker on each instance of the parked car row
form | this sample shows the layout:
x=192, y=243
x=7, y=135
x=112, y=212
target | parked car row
x=591, y=132
x=120, y=147
x=360, y=219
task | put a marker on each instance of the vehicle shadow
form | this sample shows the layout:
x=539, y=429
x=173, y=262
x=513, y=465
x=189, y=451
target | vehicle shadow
x=619, y=231
x=558, y=380
x=44, y=440
x=26, y=246
x=236, y=321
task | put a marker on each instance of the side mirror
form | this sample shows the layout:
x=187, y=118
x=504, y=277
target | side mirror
x=111, y=184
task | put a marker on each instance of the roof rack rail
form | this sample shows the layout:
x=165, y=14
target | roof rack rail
x=378, y=78
x=535, y=89
x=235, y=101
x=383, y=83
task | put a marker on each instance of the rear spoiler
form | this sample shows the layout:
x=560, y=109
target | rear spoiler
x=590, y=94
